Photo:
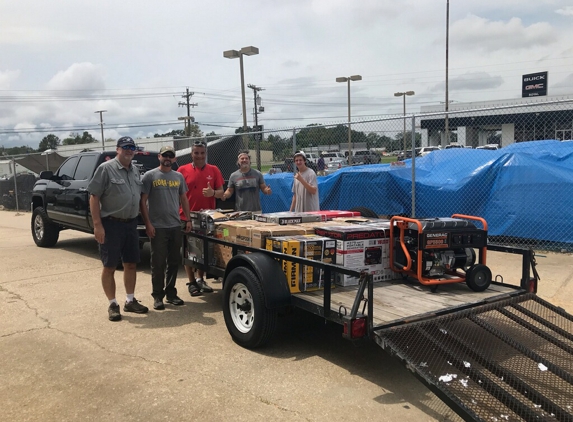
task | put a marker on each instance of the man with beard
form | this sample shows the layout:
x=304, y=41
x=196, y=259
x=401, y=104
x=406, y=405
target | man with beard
x=163, y=192
x=205, y=183
x=246, y=183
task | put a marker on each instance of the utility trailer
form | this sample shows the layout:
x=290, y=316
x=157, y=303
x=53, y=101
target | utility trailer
x=501, y=354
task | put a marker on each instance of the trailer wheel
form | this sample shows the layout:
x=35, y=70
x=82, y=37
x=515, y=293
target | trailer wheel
x=365, y=212
x=478, y=277
x=250, y=323
x=44, y=232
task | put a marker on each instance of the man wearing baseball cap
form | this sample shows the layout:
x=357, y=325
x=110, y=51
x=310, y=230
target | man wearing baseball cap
x=304, y=187
x=114, y=205
x=164, y=190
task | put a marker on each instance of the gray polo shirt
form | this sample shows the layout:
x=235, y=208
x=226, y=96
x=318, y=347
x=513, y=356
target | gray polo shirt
x=118, y=188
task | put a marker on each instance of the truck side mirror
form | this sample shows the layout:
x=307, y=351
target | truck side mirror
x=46, y=175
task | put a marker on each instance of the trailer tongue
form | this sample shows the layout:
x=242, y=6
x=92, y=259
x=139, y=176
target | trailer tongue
x=508, y=360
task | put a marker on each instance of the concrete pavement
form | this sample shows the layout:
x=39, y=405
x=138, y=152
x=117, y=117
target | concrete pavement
x=63, y=360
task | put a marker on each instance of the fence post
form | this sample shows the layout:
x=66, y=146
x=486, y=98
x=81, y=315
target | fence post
x=413, y=166
x=293, y=140
x=15, y=185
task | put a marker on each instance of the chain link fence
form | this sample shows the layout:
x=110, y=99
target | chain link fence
x=476, y=161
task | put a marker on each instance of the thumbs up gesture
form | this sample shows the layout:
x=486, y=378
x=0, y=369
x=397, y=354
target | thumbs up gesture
x=208, y=191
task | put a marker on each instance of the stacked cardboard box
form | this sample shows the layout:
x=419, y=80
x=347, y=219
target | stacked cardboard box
x=361, y=248
x=256, y=235
x=302, y=278
x=283, y=218
x=327, y=215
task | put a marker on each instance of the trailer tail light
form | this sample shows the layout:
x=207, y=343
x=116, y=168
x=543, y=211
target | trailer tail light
x=532, y=285
x=355, y=328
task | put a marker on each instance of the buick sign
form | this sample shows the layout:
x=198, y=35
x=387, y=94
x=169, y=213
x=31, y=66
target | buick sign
x=534, y=85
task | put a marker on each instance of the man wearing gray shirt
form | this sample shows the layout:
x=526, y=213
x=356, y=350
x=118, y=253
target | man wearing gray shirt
x=245, y=183
x=163, y=191
x=114, y=204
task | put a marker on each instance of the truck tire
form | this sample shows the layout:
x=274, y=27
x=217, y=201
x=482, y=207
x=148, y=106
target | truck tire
x=44, y=232
x=250, y=323
x=365, y=212
x=478, y=277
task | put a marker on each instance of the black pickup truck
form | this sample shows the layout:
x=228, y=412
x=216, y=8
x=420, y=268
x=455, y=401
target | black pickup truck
x=61, y=201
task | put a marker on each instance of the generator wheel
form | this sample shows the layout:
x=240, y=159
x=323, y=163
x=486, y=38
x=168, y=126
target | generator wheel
x=250, y=323
x=365, y=212
x=478, y=277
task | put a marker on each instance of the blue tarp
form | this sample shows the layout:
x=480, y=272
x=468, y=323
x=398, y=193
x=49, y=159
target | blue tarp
x=524, y=190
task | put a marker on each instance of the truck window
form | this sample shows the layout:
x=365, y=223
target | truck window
x=68, y=168
x=86, y=167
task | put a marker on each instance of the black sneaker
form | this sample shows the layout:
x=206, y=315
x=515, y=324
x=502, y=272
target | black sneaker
x=203, y=286
x=113, y=312
x=158, y=304
x=194, y=289
x=134, y=306
x=175, y=300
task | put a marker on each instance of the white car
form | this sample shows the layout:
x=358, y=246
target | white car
x=489, y=146
x=421, y=152
x=312, y=156
x=335, y=165
x=333, y=155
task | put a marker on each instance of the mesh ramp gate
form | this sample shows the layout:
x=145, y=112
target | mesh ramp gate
x=506, y=361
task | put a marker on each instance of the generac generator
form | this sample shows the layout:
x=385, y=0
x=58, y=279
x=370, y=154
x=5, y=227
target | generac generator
x=441, y=250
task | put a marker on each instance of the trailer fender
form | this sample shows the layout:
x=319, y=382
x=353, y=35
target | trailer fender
x=270, y=274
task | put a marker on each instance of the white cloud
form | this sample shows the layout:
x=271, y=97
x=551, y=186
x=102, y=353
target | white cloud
x=7, y=77
x=485, y=35
x=79, y=76
x=566, y=11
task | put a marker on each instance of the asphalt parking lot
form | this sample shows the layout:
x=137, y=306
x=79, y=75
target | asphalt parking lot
x=63, y=360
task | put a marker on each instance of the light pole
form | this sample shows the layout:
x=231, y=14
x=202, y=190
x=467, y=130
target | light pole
x=101, y=126
x=348, y=79
x=403, y=94
x=234, y=54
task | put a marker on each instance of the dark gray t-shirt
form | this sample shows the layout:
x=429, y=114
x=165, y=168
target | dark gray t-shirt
x=164, y=189
x=247, y=186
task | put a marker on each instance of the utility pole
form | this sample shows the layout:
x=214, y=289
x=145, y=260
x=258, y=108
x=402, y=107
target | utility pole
x=188, y=120
x=257, y=128
x=101, y=126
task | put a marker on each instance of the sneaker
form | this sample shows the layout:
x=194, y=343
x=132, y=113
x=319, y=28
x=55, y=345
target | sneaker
x=194, y=289
x=158, y=304
x=134, y=306
x=203, y=286
x=175, y=300
x=113, y=312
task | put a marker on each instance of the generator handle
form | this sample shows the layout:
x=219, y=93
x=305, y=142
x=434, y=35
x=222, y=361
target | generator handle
x=471, y=217
x=402, y=224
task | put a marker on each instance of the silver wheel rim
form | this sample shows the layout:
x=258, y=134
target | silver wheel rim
x=39, y=227
x=241, y=307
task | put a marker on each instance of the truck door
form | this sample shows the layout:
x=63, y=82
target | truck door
x=77, y=197
x=56, y=190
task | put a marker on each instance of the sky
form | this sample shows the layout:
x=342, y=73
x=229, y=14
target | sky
x=63, y=60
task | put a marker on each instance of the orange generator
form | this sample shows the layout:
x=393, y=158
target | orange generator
x=441, y=250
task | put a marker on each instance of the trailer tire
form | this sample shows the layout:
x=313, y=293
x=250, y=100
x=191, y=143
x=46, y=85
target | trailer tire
x=250, y=323
x=365, y=212
x=44, y=232
x=478, y=277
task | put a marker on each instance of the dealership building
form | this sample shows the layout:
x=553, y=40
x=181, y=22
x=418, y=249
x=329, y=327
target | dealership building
x=533, y=117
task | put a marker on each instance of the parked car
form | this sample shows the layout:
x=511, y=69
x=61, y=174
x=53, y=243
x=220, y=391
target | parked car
x=423, y=151
x=454, y=145
x=335, y=165
x=365, y=157
x=332, y=155
x=489, y=147
x=403, y=155
x=312, y=156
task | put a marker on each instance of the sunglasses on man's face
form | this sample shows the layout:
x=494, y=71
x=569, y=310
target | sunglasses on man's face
x=128, y=147
x=168, y=155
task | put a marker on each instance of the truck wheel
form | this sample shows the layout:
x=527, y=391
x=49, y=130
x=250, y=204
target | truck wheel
x=250, y=323
x=365, y=212
x=44, y=232
x=478, y=277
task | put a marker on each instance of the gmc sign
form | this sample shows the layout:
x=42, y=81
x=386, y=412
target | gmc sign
x=534, y=85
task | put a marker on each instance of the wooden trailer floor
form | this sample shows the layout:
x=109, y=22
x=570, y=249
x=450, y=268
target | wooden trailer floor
x=402, y=300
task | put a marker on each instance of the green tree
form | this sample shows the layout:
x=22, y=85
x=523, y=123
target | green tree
x=77, y=139
x=194, y=130
x=50, y=141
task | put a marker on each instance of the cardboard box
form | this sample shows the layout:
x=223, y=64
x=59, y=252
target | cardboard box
x=302, y=278
x=227, y=230
x=204, y=221
x=283, y=218
x=327, y=215
x=255, y=236
x=194, y=251
x=361, y=248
